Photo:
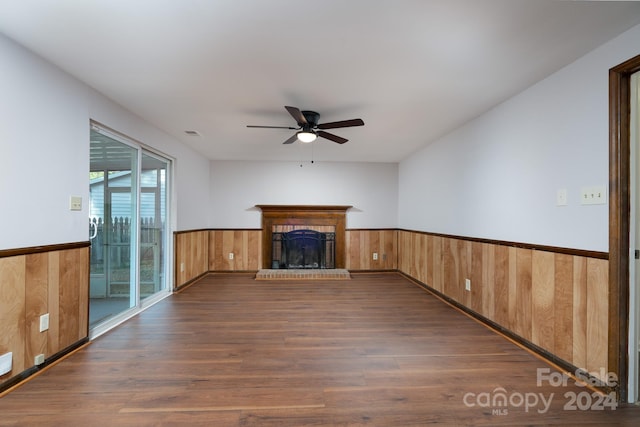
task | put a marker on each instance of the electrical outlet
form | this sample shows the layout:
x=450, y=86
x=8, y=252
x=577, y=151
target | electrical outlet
x=6, y=363
x=467, y=284
x=230, y=255
x=182, y=267
x=44, y=322
x=375, y=256
x=38, y=360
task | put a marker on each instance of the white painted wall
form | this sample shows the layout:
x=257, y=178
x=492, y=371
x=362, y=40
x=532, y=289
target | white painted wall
x=44, y=152
x=236, y=187
x=191, y=169
x=497, y=176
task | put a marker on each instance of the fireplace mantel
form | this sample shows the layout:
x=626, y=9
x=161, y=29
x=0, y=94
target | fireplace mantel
x=311, y=215
x=304, y=208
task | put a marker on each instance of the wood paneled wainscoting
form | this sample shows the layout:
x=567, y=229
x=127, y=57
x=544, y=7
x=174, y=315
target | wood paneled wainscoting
x=33, y=282
x=245, y=245
x=553, y=299
x=363, y=243
x=198, y=252
x=191, y=249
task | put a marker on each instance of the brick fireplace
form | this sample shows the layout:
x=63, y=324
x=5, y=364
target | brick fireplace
x=307, y=224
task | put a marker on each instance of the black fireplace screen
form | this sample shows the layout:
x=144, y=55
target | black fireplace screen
x=303, y=249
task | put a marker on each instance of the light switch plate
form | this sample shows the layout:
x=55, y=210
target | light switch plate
x=75, y=203
x=596, y=195
x=561, y=197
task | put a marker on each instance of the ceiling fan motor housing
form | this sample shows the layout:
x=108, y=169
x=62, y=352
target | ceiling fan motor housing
x=312, y=119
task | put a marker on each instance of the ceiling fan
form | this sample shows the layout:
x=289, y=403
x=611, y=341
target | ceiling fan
x=308, y=126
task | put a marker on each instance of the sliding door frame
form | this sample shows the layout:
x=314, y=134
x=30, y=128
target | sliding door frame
x=142, y=304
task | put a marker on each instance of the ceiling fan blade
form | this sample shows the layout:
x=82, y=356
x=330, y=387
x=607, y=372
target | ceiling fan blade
x=332, y=137
x=272, y=127
x=341, y=124
x=291, y=140
x=297, y=115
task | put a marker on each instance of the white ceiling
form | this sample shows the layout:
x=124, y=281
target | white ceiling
x=413, y=70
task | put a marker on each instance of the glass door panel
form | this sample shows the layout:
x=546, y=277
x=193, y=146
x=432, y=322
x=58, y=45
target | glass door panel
x=112, y=230
x=153, y=224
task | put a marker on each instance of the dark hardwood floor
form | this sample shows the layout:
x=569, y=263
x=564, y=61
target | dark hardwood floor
x=232, y=351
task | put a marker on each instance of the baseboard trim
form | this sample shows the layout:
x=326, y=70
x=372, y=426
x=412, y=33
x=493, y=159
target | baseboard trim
x=28, y=374
x=189, y=282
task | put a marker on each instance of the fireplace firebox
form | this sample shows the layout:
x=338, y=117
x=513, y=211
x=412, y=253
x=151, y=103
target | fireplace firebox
x=303, y=249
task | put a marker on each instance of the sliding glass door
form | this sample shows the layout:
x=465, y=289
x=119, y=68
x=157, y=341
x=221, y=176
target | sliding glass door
x=127, y=227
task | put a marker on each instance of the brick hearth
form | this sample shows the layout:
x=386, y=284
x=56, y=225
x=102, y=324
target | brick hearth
x=304, y=274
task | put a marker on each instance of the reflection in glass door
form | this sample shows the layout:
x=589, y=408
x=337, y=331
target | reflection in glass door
x=120, y=238
x=127, y=227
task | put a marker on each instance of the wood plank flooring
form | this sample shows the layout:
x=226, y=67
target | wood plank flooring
x=231, y=351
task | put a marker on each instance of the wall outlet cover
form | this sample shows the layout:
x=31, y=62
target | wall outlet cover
x=44, y=322
x=6, y=363
x=38, y=360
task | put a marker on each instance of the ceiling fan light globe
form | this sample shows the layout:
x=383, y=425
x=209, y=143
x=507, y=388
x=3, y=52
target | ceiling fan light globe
x=306, y=137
